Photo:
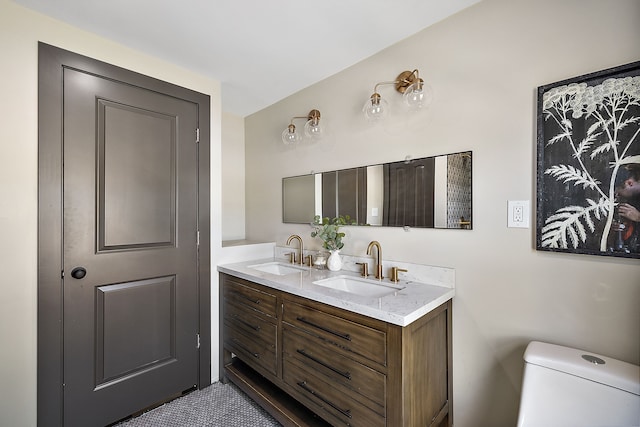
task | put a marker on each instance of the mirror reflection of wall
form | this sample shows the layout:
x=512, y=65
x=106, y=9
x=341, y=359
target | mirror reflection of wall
x=298, y=199
x=375, y=194
x=431, y=192
x=440, y=216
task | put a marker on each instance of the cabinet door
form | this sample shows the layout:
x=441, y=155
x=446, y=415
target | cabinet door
x=331, y=401
x=249, y=324
x=342, y=333
x=256, y=325
x=256, y=353
x=246, y=293
x=307, y=350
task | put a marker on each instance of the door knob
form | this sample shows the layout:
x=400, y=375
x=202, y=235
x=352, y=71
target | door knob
x=78, y=273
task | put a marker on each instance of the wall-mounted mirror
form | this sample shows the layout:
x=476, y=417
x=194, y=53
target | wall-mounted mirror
x=431, y=192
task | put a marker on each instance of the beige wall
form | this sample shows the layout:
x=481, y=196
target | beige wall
x=484, y=65
x=233, y=177
x=20, y=31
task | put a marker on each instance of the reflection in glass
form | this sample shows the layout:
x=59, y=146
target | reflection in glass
x=432, y=192
x=298, y=199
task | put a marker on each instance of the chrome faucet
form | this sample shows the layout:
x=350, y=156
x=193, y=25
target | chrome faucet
x=301, y=260
x=378, y=268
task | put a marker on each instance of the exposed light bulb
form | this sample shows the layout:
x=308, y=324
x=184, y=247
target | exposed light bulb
x=290, y=136
x=376, y=108
x=417, y=96
x=313, y=130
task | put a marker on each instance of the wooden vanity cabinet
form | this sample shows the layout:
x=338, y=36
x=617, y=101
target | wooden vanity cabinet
x=250, y=325
x=346, y=368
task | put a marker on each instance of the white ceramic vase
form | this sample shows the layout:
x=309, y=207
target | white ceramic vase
x=334, y=263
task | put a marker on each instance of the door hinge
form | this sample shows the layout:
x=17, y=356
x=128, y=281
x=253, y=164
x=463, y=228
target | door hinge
x=197, y=135
x=198, y=238
x=198, y=339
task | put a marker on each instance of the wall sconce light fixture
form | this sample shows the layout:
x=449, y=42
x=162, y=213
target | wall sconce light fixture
x=416, y=95
x=312, y=129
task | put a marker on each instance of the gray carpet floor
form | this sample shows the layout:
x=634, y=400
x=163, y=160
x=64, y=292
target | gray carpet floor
x=217, y=405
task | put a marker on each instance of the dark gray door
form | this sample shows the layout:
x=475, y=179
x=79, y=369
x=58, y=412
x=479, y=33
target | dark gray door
x=409, y=193
x=130, y=248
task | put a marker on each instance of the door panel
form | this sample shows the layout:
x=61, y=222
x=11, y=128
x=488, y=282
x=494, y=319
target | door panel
x=128, y=340
x=144, y=192
x=130, y=220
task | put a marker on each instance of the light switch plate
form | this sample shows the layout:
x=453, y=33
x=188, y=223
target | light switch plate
x=518, y=213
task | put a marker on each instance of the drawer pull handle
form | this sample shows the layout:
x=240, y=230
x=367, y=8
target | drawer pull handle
x=305, y=387
x=242, y=347
x=244, y=322
x=322, y=328
x=347, y=375
x=245, y=297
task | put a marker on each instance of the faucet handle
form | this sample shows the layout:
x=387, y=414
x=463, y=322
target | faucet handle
x=364, y=272
x=394, y=273
x=292, y=257
x=309, y=261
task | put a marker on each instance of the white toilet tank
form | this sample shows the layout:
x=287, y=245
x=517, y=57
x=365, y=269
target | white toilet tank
x=565, y=387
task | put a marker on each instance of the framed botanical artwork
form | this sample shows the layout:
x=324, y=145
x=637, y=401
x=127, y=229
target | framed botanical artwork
x=588, y=166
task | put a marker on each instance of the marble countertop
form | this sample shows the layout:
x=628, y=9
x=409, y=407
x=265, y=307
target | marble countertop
x=409, y=302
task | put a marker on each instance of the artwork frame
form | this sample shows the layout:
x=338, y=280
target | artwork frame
x=588, y=164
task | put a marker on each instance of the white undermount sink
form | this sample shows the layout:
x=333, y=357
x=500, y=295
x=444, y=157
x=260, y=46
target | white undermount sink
x=359, y=286
x=277, y=268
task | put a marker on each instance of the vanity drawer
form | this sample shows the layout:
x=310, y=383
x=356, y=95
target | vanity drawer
x=350, y=336
x=255, y=352
x=311, y=352
x=340, y=406
x=252, y=323
x=237, y=291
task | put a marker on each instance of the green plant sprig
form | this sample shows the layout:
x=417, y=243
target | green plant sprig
x=328, y=230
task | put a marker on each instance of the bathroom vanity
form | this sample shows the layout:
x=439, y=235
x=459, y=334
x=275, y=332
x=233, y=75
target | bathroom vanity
x=311, y=354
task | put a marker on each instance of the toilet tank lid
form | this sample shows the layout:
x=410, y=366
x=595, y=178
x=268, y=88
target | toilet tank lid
x=615, y=373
